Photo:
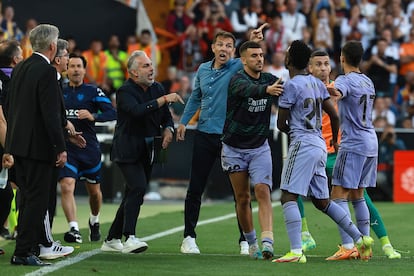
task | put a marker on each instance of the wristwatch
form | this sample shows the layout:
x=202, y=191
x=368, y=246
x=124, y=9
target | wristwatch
x=170, y=128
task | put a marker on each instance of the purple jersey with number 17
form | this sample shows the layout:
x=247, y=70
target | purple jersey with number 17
x=355, y=111
x=304, y=95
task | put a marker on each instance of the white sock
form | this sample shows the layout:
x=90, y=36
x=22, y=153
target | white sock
x=348, y=245
x=93, y=219
x=74, y=224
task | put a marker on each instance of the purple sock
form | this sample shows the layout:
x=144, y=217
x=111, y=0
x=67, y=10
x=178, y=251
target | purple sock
x=362, y=215
x=251, y=237
x=335, y=212
x=343, y=204
x=293, y=224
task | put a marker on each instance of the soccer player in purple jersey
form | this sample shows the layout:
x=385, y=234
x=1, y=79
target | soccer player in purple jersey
x=356, y=164
x=300, y=114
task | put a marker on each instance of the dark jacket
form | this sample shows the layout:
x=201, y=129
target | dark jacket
x=138, y=117
x=34, y=117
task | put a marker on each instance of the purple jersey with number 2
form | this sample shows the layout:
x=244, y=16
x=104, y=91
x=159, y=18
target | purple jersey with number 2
x=304, y=95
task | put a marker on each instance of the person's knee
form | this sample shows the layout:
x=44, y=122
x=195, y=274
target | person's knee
x=67, y=186
x=287, y=196
x=262, y=192
x=339, y=192
x=243, y=199
x=320, y=204
x=94, y=190
x=356, y=194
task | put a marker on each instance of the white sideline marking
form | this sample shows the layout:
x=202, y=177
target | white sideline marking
x=84, y=255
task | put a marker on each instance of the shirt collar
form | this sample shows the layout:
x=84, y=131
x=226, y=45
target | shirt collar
x=43, y=56
x=222, y=67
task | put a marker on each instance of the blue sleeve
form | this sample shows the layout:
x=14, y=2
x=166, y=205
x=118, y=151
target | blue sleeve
x=193, y=102
x=106, y=110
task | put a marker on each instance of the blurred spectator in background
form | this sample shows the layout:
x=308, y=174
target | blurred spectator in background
x=97, y=62
x=379, y=122
x=193, y=50
x=341, y=13
x=184, y=90
x=407, y=122
x=9, y=26
x=116, y=68
x=410, y=15
x=392, y=50
x=73, y=46
x=199, y=11
x=382, y=109
x=269, y=8
x=306, y=10
x=323, y=22
x=231, y=5
x=243, y=19
x=146, y=44
x=387, y=145
x=368, y=10
x=25, y=43
x=280, y=5
x=406, y=57
x=277, y=37
x=307, y=37
x=405, y=96
x=378, y=68
x=215, y=20
x=130, y=40
x=277, y=67
x=355, y=27
x=400, y=23
x=293, y=20
x=171, y=83
x=177, y=23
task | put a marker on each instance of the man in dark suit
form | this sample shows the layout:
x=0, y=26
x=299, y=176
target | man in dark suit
x=143, y=114
x=35, y=139
x=10, y=55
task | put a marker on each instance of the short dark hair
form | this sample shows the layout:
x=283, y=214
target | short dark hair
x=299, y=54
x=275, y=14
x=247, y=45
x=319, y=53
x=146, y=31
x=225, y=34
x=73, y=55
x=353, y=51
x=8, y=50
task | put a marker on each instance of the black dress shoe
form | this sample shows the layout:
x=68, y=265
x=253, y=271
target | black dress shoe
x=29, y=260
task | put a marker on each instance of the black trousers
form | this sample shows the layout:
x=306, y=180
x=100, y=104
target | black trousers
x=6, y=197
x=53, y=197
x=207, y=146
x=137, y=177
x=33, y=178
